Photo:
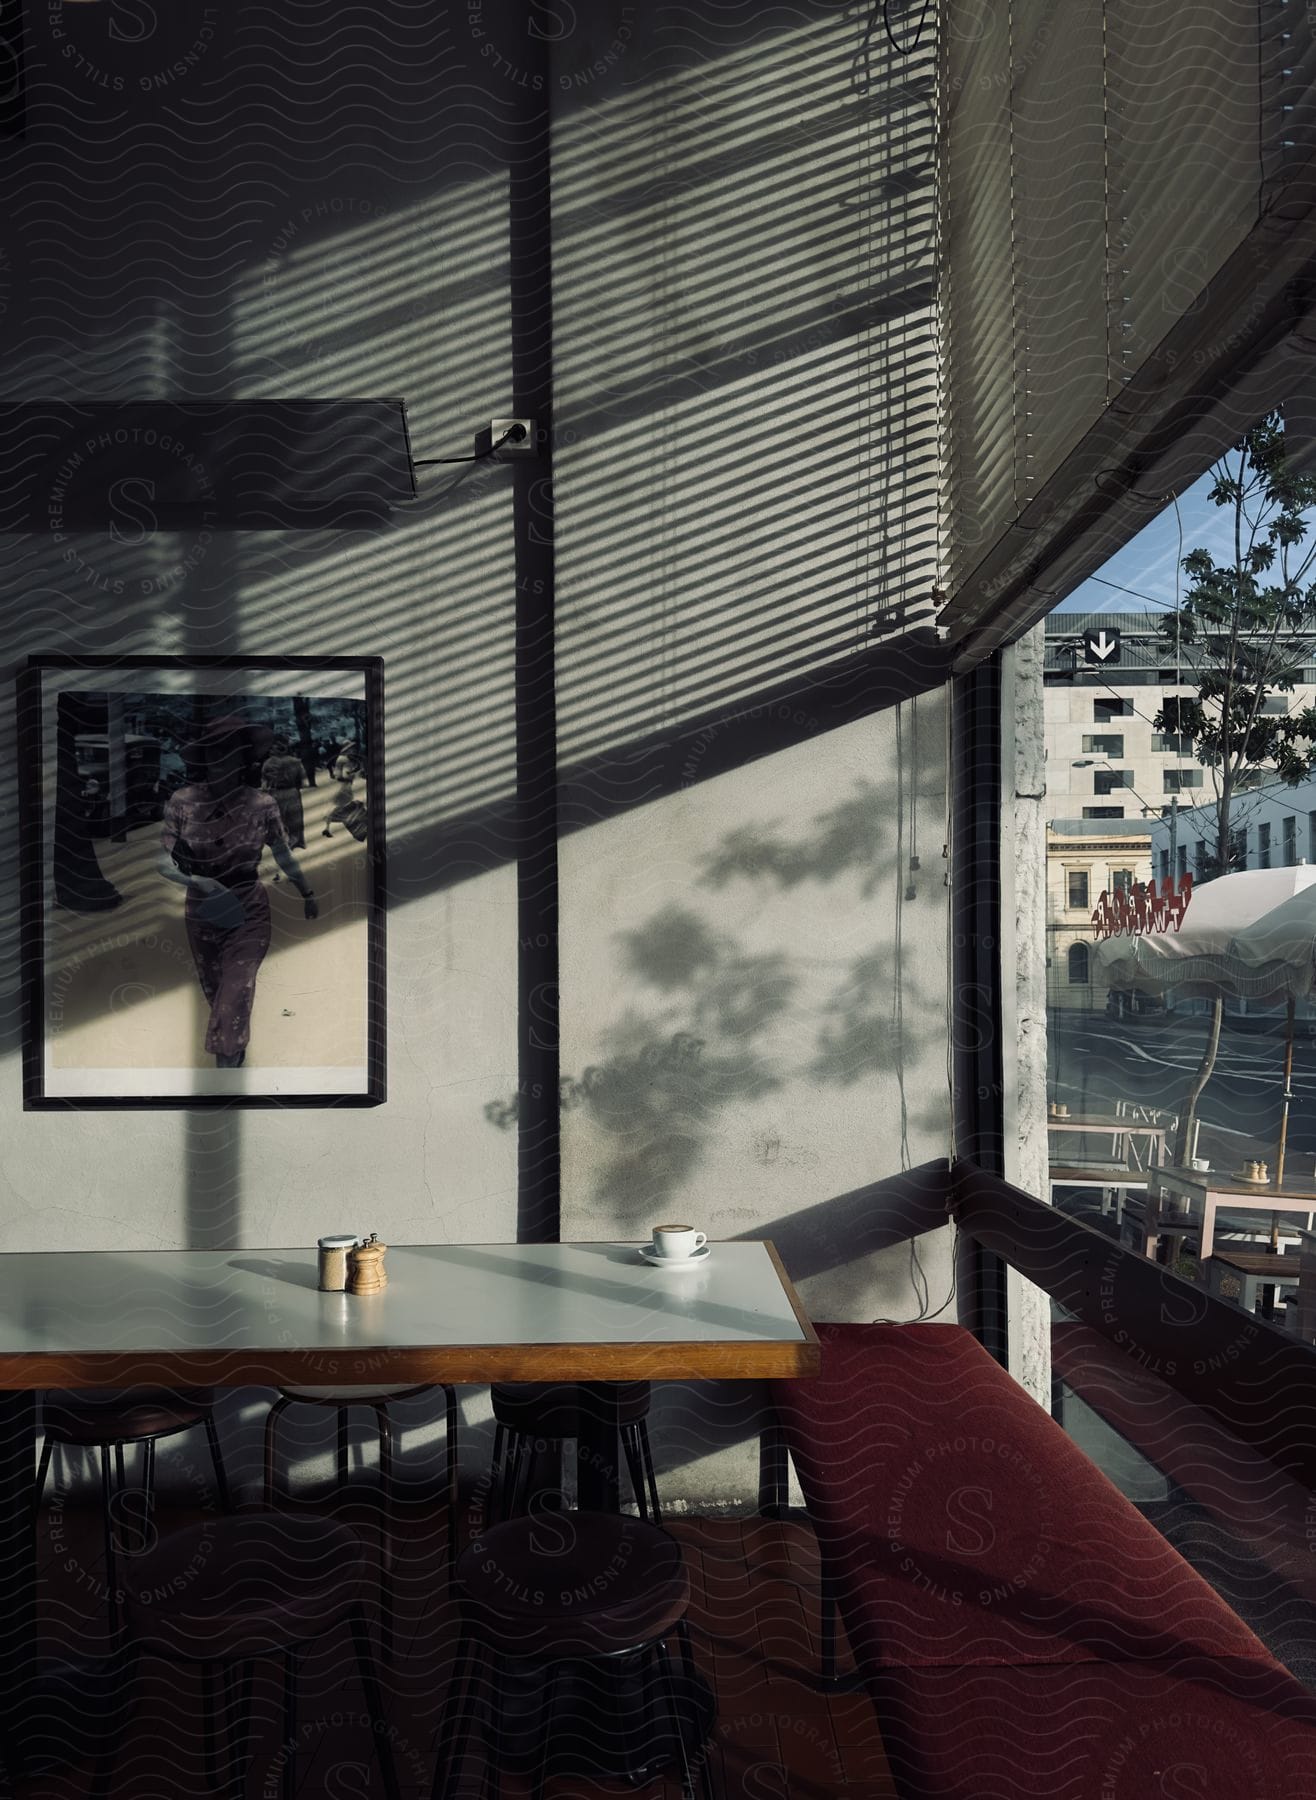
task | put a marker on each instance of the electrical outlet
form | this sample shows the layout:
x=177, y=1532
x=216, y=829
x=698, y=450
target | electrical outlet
x=522, y=442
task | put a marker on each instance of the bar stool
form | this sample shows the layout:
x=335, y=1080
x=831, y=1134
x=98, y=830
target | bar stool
x=223, y=1596
x=545, y=1596
x=341, y=1400
x=526, y=1412
x=112, y=1418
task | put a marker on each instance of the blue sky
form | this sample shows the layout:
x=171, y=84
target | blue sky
x=1148, y=562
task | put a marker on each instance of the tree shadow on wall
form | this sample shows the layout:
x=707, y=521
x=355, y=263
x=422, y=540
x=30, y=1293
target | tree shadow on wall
x=712, y=1036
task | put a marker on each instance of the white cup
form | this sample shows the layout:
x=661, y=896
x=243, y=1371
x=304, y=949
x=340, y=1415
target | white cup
x=677, y=1241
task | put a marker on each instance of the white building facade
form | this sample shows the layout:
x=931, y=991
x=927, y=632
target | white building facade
x=1105, y=757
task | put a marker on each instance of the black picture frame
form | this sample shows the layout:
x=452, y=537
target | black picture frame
x=50, y=754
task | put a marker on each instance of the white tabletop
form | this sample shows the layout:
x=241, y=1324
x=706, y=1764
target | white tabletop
x=454, y=1312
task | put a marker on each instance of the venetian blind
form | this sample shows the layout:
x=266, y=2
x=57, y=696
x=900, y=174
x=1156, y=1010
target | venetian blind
x=1104, y=164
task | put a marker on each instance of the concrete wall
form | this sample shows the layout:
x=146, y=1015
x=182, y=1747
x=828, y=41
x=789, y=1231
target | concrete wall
x=351, y=237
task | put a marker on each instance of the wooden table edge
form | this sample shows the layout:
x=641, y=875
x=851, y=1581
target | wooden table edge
x=460, y=1365
x=788, y=1288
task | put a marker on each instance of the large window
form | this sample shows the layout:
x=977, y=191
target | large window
x=1121, y=881
x=1175, y=743
x=1263, y=845
x=1112, y=745
x=1104, y=710
x=1107, y=781
x=1290, y=836
x=1078, y=887
x=1179, y=781
x=1103, y=812
x=1078, y=965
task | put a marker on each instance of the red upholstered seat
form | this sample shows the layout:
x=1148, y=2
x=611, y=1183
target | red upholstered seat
x=1215, y=1729
x=1022, y=1629
x=968, y=1527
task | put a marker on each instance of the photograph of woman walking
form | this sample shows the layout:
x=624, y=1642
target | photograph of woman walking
x=216, y=829
x=187, y=943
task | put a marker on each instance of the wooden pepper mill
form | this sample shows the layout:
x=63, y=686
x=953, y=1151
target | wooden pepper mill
x=366, y=1273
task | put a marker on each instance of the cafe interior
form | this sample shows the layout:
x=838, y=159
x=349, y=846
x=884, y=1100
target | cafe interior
x=545, y=1284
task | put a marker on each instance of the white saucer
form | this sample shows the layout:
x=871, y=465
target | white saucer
x=669, y=1263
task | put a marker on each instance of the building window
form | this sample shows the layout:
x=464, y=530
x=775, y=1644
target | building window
x=1165, y=864
x=1078, y=887
x=1263, y=845
x=1199, y=860
x=1173, y=743
x=1180, y=860
x=1121, y=881
x=1290, y=835
x=1108, y=781
x=1078, y=965
x=1275, y=706
x=1112, y=745
x=1103, y=711
x=1238, y=848
x=1103, y=812
x=1311, y=837
x=1177, y=781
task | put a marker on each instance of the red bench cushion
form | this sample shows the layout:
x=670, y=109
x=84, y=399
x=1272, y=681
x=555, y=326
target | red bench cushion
x=967, y=1529
x=1211, y=1730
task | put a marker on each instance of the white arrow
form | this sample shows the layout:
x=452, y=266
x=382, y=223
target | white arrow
x=1102, y=646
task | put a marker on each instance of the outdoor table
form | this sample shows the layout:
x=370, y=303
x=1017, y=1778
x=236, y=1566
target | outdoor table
x=455, y=1313
x=1213, y=1192
x=1116, y=1127
x=1255, y=1269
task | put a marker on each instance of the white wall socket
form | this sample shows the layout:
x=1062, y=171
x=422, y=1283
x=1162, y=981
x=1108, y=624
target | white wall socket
x=523, y=445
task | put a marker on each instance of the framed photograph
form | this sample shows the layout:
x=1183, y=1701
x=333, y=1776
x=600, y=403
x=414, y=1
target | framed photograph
x=202, y=845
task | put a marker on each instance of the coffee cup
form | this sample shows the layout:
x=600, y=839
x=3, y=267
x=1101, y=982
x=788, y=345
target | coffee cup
x=677, y=1241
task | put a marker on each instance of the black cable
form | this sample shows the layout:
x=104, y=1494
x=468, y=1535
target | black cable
x=861, y=74
x=514, y=433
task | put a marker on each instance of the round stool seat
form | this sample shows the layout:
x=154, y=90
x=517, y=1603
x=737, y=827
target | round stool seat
x=251, y=1584
x=350, y=1396
x=122, y=1415
x=553, y=1411
x=571, y=1584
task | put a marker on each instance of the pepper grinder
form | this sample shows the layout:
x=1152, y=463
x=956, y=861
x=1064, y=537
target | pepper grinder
x=366, y=1273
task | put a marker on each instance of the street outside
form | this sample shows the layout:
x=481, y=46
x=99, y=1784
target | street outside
x=1149, y=1059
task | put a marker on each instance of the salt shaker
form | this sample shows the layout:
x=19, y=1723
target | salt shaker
x=333, y=1261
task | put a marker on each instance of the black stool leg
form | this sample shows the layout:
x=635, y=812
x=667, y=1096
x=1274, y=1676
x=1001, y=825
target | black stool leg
x=365, y=1662
x=674, y=1713
x=209, y=1734
x=497, y=1476
x=290, y=1724
x=544, y=1731
x=642, y=1434
x=129, y=1662
x=630, y=1447
x=386, y=1596
x=455, y=1719
x=111, y=1572
x=47, y=1448
x=343, y=1454
x=280, y=1407
x=450, y=1449
x=217, y=1463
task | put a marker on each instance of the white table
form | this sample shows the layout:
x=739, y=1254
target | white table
x=1213, y=1192
x=1120, y=1128
x=455, y=1313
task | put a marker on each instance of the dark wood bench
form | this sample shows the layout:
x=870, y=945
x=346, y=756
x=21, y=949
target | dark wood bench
x=1022, y=1630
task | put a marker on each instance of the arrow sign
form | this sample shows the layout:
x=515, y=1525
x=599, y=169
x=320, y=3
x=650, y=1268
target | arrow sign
x=1102, y=646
